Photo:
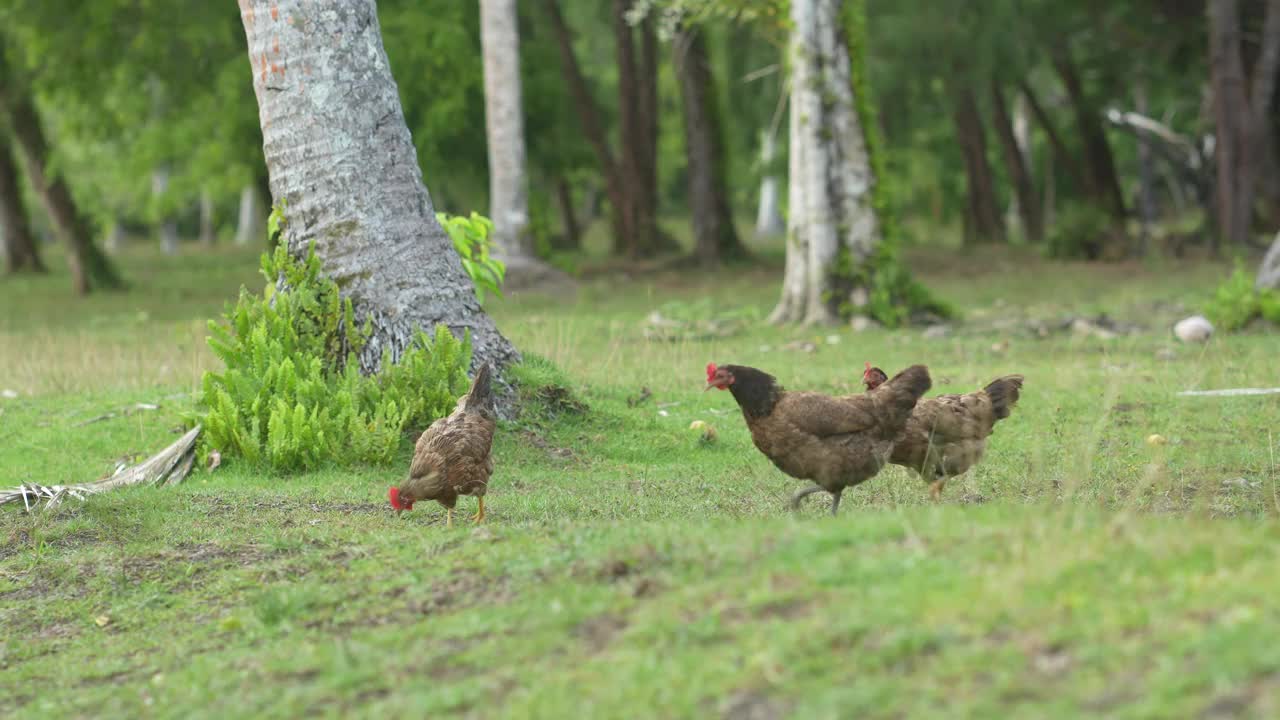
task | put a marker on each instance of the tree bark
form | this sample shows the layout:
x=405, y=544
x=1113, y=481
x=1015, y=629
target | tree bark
x=715, y=238
x=20, y=252
x=630, y=175
x=1015, y=161
x=168, y=229
x=589, y=118
x=1269, y=270
x=504, y=126
x=342, y=164
x=768, y=214
x=1102, y=181
x=831, y=181
x=208, y=234
x=1146, y=175
x=1241, y=115
x=90, y=268
x=249, y=223
x=1061, y=154
x=984, y=224
x=571, y=238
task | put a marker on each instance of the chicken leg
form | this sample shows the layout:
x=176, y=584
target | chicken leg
x=448, y=517
x=479, y=516
x=935, y=488
x=802, y=493
x=835, y=501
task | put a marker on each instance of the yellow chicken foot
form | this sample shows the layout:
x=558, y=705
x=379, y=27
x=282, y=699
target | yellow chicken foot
x=479, y=516
x=448, y=517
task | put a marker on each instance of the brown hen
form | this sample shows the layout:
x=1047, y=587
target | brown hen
x=452, y=456
x=837, y=442
x=947, y=434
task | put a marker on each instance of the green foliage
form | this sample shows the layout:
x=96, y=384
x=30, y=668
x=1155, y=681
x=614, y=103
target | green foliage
x=1237, y=303
x=1079, y=233
x=470, y=236
x=292, y=396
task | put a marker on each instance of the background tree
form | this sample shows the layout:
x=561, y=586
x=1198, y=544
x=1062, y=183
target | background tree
x=715, y=237
x=20, y=252
x=1241, y=111
x=343, y=168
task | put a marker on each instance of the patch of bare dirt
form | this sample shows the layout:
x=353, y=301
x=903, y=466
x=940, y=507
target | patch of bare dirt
x=752, y=705
x=598, y=632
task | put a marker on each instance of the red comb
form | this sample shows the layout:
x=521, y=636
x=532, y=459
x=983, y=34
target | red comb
x=711, y=371
x=394, y=495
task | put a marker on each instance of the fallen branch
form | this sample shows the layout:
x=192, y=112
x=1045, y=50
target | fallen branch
x=167, y=467
x=1231, y=392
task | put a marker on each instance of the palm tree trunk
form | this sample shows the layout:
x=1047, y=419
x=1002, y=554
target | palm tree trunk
x=343, y=167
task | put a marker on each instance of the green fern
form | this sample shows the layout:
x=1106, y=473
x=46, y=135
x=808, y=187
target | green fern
x=291, y=396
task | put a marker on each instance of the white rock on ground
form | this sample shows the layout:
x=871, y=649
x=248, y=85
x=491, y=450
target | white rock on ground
x=1193, y=329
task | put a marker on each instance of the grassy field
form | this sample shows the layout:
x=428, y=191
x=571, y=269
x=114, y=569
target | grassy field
x=628, y=570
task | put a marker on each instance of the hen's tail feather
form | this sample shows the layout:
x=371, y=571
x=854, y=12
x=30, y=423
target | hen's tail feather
x=904, y=390
x=481, y=393
x=1004, y=393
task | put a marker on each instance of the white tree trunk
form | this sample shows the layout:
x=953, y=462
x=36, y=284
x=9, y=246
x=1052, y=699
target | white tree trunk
x=115, y=238
x=831, y=181
x=249, y=224
x=1269, y=272
x=207, y=233
x=768, y=215
x=343, y=165
x=168, y=228
x=504, y=125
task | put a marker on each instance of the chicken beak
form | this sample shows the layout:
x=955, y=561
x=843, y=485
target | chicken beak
x=708, y=387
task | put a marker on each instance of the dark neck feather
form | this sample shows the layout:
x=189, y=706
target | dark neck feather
x=755, y=390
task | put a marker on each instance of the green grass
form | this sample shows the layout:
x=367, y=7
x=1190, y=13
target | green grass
x=627, y=570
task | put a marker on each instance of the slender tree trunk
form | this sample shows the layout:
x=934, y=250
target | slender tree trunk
x=634, y=133
x=1269, y=270
x=249, y=222
x=715, y=238
x=208, y=234
x=1061, y=154
x=768, y=214
x=983, y=212
x=1102, y=179
x=504, y=125
x=831, y=211
x=1241, y=115
x=115, y=238
x=343, y=166
x=20, y=252
x=592, y=127
x=90, y=268
x=1146, y=175
x=572, y=236
x=1015, y=161
x=168, y=228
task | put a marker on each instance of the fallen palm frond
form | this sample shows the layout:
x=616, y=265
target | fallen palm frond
x=167, y=467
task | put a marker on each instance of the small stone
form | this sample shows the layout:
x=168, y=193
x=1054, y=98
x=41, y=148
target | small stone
x=936, y=332
x=862, y=323
x=8, y=394
x=833, y=339
x=1156, y=439
x=1084, y=328
x=1196, y=328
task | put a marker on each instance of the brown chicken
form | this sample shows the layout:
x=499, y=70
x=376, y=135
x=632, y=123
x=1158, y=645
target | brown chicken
x=947, y=434
x=452, y=457
x=837, y=442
